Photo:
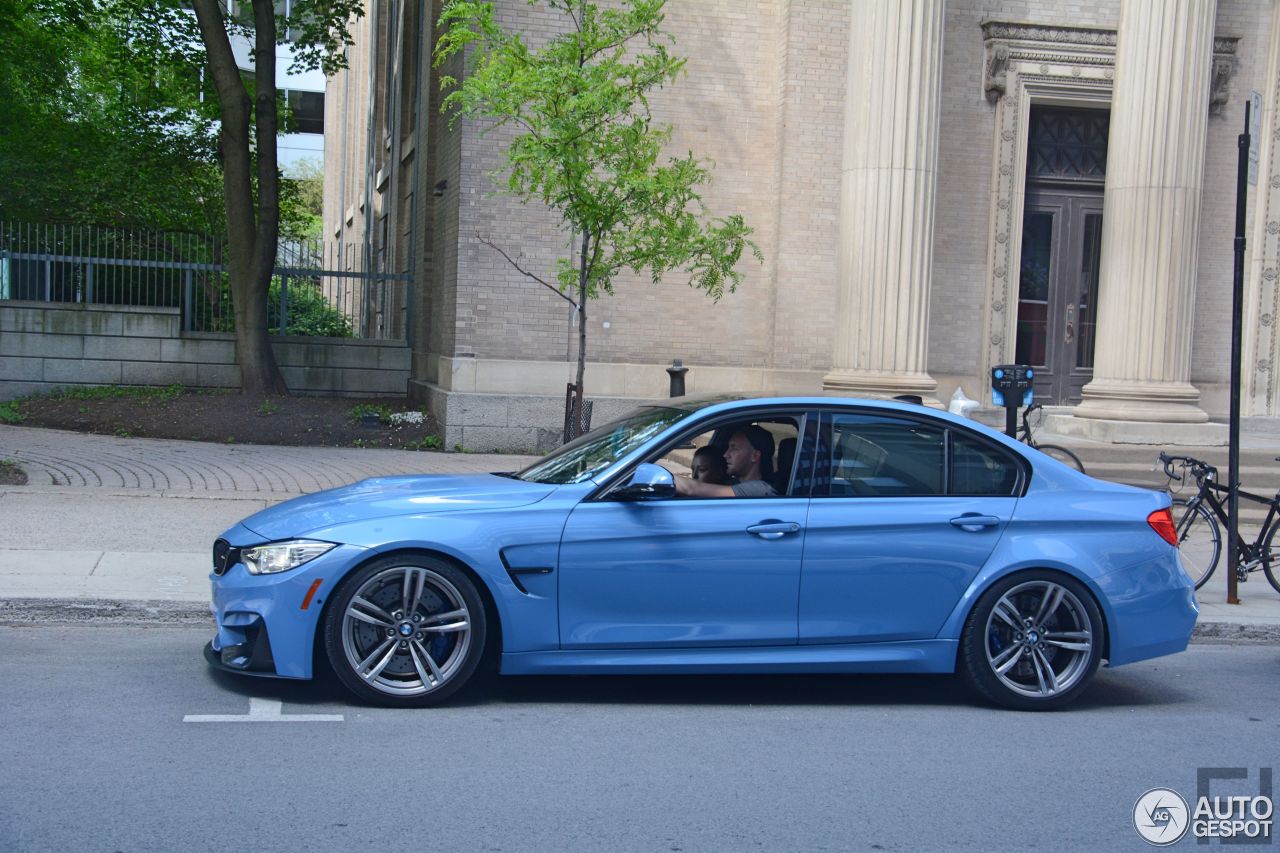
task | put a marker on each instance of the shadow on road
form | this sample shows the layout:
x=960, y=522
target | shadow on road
x=1109, y=690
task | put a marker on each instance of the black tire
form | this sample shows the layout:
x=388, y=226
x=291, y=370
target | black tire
x=1066, y=457
x=1199, y=539
x=1039, y=666
x=1271, y=555
x=405, y=631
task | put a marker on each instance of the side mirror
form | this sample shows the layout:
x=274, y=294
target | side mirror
x=647, y=482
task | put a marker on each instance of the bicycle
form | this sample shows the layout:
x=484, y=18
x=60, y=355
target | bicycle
x=1026, y=436
x=1199, y=521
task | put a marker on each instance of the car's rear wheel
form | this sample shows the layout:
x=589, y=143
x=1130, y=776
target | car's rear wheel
x=1032, y=642
x=405, y=631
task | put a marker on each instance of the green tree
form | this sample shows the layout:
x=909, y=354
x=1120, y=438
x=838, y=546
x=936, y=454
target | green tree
x=249, y=121
x=304, y=204
x=105, y=120
x=99, y=127
x=587, y=146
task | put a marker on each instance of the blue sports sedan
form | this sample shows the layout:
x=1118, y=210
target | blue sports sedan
x=719, y=535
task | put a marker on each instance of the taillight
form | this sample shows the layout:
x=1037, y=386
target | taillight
x=1161, y=522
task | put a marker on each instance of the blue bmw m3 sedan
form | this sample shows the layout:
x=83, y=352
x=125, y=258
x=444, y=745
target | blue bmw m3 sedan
x=846, y=536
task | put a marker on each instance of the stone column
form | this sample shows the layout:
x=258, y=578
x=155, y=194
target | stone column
x=1261, y=352
x=1151, y=215
x=888, y=186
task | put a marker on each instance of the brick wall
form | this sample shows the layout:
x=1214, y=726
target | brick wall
x=724, y=109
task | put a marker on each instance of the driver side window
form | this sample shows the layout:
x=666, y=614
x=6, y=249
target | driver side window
x=702, y=456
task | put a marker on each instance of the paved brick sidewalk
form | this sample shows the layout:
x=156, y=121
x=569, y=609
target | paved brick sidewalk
x=58, y=458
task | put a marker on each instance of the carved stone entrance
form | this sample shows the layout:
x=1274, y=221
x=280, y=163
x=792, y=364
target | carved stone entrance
x=1042, y=66
x=1061, y=247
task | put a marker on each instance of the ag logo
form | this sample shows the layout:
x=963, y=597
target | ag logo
x=1160, y=816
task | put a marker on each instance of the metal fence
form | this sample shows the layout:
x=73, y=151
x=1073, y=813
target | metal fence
x=316, y=288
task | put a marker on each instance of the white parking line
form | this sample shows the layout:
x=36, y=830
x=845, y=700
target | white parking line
x=263, y=711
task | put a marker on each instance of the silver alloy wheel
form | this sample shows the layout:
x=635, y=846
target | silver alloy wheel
x=1039, y=639
x=406, y=631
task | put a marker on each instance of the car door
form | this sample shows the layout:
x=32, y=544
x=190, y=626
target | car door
x=905, y=512
x=681, y=572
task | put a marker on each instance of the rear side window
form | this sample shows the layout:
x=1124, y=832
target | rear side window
x=874, y=455
x=979, y=468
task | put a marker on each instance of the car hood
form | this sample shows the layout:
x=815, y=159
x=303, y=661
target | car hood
x=384, y=497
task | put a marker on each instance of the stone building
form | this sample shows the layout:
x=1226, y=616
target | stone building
x=938, y=186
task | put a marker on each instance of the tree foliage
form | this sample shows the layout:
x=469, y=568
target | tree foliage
x=134, y=113
x=99, y=124
x=302, y=200
x=587, y=146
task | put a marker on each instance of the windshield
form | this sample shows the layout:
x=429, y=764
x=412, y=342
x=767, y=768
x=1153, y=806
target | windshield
x=583, y=457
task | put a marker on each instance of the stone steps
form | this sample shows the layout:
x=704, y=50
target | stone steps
x=1137, y=465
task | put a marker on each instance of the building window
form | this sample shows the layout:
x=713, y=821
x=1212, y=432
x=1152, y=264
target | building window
x=307, y=110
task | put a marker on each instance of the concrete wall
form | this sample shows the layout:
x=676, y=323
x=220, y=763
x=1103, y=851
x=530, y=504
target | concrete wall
x=44, y=346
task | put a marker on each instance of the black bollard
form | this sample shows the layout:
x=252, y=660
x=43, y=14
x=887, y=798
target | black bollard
x=677, y=370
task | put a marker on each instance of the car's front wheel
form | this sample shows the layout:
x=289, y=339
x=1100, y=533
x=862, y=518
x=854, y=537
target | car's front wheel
x=405, y=631
x=1032, y=642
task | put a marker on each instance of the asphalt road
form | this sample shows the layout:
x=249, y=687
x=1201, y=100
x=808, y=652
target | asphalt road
x=99, y=752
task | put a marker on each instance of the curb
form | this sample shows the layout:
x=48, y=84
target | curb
x=102, y=611
x=1255, y=633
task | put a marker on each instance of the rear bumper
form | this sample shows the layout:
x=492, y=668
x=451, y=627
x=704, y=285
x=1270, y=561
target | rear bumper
x=1153, y=609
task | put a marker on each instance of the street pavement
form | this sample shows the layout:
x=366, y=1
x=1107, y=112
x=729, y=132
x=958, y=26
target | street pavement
x=121, y=528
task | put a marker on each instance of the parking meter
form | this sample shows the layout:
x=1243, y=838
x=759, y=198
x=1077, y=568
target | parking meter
x=1011, y=388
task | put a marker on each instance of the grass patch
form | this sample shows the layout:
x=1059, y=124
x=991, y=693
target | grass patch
x=10, y=413
x=361, y=411
x=427, y=442
x=109, y=392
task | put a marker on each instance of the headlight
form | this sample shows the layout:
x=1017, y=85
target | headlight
x=282, y=556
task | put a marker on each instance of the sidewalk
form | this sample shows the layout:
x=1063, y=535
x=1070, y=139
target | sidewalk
x=116, y=528
x=122, y=527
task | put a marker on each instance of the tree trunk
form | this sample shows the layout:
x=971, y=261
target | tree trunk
x=582, y=320
x=252, y=225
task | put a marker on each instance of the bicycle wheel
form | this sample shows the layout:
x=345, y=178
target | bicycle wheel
x=1066, y=457
x=1199, y=539
x=1271, y=555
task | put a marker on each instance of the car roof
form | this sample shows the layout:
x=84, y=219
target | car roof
x=730, y=402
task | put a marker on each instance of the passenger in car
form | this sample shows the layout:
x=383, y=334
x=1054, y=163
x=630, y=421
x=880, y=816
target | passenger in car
x=749, y=457
x=709, y=466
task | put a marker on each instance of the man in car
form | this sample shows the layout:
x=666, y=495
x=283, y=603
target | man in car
x=749, y=458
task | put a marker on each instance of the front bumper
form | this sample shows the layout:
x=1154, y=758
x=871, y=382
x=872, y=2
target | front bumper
x=230, y=660
x=267, y=623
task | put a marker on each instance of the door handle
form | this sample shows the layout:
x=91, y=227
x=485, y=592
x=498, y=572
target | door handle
x=1071, y=323
x=773, y=529
x=975, y=521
